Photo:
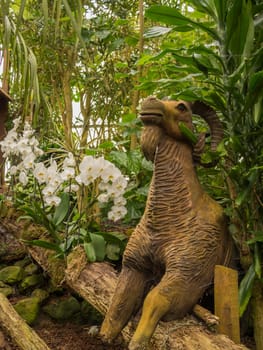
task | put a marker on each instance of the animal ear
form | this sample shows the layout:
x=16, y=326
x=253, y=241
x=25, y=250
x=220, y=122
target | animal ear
x=203, y=110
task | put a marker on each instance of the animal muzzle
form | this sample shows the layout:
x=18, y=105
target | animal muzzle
x=152, y=111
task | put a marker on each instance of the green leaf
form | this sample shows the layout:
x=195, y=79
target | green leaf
x=232, y=19
x=156, y=31
x=99, y=245
x=257, y=260
x=217, y=101
x=188, y=133
x=106, y=145
x=113, y=251
x=62, y=209
x=205, y=6
x=115, y=238
x=120, y=158
x=247, y=188
x=255, y=84
x=221, y=7
x=240, y=29
x=257, y=237
x=44, y=244
x=245, y=289
x=250, y=32
x=171, y=16
x=167, y=15
x=258, y=111
x=199, y=64
x=128, y=118
x=90, y=251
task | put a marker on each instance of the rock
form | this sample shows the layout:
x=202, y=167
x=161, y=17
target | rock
x=6, y=290
x=31, y=269
x=31, y=281
x=62, y=309
x=11, y=274
x=28, y=309
x=40, y=294
x=89, y=313
x=24, y=262
x=10, y=247
x=54, y=288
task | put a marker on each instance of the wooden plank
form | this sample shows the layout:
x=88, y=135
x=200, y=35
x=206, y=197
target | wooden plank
x=226, y=302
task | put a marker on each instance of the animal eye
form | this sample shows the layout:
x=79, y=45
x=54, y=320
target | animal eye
x=181, y=107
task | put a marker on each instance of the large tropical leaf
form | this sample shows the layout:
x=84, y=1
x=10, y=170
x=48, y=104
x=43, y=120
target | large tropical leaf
x=171, y=16
x=62, y=209
x=156, y=31
x=240, y=29
x=245, y=289
x=99, y=245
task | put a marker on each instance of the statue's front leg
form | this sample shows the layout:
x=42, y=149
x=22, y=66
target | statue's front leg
x=169, y=295
x=126, y=299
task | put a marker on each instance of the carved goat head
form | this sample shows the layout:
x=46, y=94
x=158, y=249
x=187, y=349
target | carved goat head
x=162, y=117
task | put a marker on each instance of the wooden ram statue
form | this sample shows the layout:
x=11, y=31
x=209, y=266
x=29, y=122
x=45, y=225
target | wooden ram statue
x=182, y=234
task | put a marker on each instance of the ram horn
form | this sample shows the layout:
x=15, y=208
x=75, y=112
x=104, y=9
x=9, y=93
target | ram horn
x=210, y=116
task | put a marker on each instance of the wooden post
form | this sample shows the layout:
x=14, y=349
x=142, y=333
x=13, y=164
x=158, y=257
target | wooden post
x=226, y=302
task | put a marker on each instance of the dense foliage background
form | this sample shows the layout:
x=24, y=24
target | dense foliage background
x=76, y=71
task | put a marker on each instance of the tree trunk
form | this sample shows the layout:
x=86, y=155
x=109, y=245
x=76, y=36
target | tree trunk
x=24, y=336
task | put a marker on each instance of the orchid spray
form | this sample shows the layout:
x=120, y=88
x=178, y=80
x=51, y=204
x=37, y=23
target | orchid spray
x=64, y=187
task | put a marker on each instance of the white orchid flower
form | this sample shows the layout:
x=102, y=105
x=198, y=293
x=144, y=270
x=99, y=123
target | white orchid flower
x=120, y=201
x=68, y=173
x=103, y=198
x=49, y=190
x=13, y=170
x=69, y=161
x=40, y=173
x=117, y=213
x=52, y=200
x=23, y=178
x=72, y=188
x=29, y=161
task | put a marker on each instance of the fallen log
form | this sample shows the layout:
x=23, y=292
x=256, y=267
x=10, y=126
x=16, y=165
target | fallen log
x=96, y=283
x=23, y=335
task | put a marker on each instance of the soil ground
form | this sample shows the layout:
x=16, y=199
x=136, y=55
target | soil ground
x=63, y=336
x=70, y=336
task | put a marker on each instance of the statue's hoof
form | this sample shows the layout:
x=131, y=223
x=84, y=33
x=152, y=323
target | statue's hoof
x=104, y=338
